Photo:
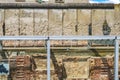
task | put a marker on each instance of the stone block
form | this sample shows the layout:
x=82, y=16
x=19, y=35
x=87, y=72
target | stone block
x=40, y=25
x=116, y=27
x=3, y=77
x=98, y=18
x=69, y=24
x=55, y=24
x=74, y=69
x=83, y=19
x=26, y=26
x=111, y=21
x=1, y=21
x=11, y=26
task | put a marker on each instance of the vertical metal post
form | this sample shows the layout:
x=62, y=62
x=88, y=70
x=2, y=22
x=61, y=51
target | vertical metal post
x=1, y=47
x=48, y=59
x=116, y=60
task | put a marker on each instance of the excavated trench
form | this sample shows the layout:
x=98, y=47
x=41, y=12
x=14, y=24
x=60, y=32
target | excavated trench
x=66, y=64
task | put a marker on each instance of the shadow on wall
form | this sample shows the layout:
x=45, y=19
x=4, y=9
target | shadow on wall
x=106, y=28
x=59, y=67
x=106, y=31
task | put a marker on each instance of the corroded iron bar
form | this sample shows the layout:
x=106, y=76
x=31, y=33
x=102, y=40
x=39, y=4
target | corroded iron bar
x=55, y=6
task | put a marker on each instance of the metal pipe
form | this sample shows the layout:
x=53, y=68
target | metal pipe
x=116, y=59
x=57, y=37
x=82, y=37
x=23, y=38
x=48, y=59
x=55, y=6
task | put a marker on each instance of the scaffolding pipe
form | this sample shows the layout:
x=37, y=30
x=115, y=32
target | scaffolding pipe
x=57, y=37
x=56, y=6
x=116, y=59
x=48, y=59
x=82, y=37
x=23, y=38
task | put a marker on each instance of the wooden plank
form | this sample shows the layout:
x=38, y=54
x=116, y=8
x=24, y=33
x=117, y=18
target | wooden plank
x=11, y=26
x=26, y=26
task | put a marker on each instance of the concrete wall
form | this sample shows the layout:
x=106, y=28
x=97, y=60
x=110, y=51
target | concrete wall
x=58, y=22
x=68, y=22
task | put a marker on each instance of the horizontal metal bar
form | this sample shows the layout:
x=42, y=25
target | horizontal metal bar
x=57, y=37
x=41, y=48
x=55, y=6
x=82, y=37
x=118, y=37
x=23, y=38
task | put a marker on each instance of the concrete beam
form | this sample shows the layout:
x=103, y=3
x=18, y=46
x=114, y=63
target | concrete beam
x=55, y=6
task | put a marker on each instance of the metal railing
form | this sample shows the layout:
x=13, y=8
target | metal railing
x=49, y=38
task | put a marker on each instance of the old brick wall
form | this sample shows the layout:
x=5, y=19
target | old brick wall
x=74, y=67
